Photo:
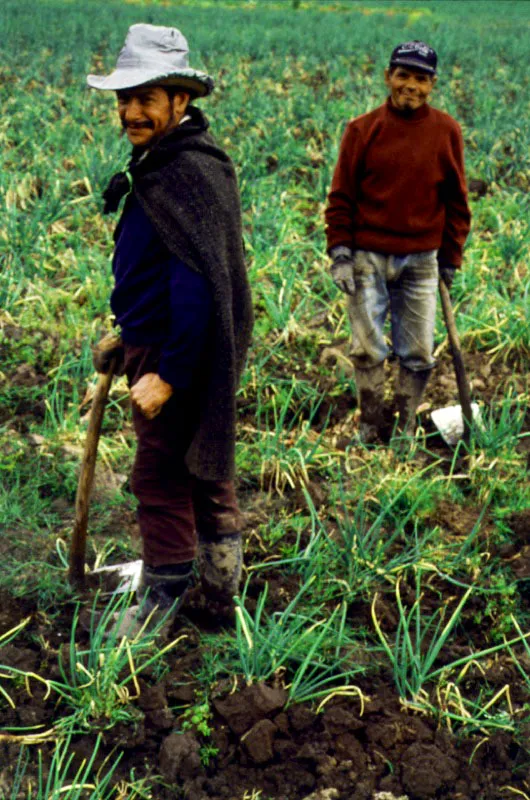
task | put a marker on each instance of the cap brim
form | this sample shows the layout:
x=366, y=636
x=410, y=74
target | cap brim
x=198, y=82
x=410, y=62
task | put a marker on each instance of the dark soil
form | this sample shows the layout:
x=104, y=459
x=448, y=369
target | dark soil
x=258, y=742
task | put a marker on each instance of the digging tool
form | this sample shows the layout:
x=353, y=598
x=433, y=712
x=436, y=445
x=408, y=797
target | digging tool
x=466, y=409
x=86, y=479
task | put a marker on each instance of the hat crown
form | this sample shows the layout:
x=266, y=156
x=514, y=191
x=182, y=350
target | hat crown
x=416, y=47
x=153, y=54
x=154, y=44
x=416, y=54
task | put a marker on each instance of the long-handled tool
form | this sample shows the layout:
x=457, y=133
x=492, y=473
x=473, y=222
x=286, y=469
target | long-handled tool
x=458, y=362
x=86, y=479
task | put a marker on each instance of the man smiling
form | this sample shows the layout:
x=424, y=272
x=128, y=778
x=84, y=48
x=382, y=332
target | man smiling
x=397, y=219
x=182, y=300
x=148, y=113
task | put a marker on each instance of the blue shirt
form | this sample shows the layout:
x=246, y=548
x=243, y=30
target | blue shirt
x=157, y=299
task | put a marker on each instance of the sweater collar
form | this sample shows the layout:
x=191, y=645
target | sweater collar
x=418, y=115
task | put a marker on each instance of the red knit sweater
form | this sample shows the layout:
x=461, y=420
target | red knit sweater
x=399, y=185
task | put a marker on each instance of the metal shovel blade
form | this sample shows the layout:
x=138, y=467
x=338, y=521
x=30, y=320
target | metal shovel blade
x=123, y=577
x=450, y=422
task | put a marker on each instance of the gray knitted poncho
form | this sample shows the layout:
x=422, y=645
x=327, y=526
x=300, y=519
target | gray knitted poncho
x=188, y=188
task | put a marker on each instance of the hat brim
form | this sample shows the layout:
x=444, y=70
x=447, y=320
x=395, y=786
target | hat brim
x=198, y=82
x=411, y=62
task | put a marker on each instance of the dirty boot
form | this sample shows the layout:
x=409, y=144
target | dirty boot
x=410, y=389
x=160, y=595
x=220, y=566
x=370, y=396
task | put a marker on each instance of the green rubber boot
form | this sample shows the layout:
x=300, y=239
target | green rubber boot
x=370, y=385
x=220, y=566
x=409, y=393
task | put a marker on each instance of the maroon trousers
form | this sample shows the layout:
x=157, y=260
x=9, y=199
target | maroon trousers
x=173, y=506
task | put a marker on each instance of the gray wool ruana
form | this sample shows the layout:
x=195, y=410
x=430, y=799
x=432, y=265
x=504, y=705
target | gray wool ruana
x=188, y=187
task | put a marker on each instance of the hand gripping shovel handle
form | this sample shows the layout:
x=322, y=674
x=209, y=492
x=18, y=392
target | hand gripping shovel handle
x=458, y=362
x=86, y=478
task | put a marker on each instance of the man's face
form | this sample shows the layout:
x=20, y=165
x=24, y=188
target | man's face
x=147, y=113
x=409, y=87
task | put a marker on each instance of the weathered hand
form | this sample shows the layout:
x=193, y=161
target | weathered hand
x=107, y=350
x=150, y=394
x=342, y=274
x=447, y=274
x=342, y=269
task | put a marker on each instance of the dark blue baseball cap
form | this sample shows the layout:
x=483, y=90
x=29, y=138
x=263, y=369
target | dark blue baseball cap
x=415, y=54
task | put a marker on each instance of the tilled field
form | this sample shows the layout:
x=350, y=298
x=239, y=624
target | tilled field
x=379, y=648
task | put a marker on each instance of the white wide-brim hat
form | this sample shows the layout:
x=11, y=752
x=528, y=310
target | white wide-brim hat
x=157, y=55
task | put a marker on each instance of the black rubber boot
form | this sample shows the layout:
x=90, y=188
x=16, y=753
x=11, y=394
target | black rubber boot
x=409, y=393
x=159, y=597
x=370, y=385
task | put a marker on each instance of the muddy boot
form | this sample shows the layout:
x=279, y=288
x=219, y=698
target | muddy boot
x=370, y=396
x=410, y=389
x=160, y=596
x=220, y=566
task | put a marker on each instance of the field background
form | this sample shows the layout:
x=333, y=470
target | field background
x=405, y=579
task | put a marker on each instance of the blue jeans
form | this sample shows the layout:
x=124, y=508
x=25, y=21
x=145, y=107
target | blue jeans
x=407, y=285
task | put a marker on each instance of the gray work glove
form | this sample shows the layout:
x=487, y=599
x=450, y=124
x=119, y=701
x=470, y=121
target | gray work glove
x=447, y=274
x=342, y=268
x=107, y=350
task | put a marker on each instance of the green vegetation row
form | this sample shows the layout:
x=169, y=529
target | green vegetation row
x=363, y=535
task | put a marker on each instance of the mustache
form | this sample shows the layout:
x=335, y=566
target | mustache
x=136, y=125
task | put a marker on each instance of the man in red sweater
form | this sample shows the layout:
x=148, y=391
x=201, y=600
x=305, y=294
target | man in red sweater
x=397, y=219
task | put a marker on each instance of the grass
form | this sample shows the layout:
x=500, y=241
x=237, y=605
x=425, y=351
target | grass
x=62, y=779
x=335, y=525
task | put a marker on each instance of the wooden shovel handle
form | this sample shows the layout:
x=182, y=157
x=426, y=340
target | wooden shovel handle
x=86, y=479
x=464, y=393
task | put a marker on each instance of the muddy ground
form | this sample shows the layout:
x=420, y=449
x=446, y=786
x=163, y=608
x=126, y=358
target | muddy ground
x=354, y=748
x=347, y=750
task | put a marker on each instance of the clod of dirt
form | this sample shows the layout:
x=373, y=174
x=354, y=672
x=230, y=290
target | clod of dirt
x=300, y=718
x=425, y=769
x=323, y=794
x=519, y=522
x=25, y=375
x=392, y=732
x=520, y=564
x=339, y=720
x=30, y=716
x=388, y=796
x=152, y=697
x=179, y=757
x=350, y=748
x=259, y=741
x=160, y=719
x=18, y=657
x=243, y=709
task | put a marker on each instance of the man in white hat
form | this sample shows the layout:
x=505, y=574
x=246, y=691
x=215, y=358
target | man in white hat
x=182, y=301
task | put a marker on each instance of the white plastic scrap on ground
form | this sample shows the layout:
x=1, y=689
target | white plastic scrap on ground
x=450, y=422
x=129, y=573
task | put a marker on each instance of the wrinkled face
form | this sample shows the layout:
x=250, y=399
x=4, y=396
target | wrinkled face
x=147, y=113
x=409, y=87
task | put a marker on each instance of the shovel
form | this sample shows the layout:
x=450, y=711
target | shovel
x=124, y=577
x=455, y=422
x=76, y=573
